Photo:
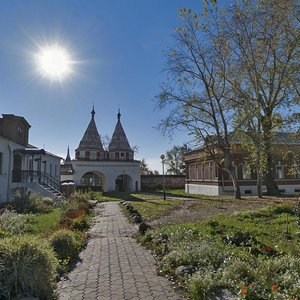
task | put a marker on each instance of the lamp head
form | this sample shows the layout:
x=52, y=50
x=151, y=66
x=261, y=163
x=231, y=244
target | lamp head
x=162, y=157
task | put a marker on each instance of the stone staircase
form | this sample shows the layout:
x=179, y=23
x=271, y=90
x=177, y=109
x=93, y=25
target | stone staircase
x=41, y=183
x=52, y=192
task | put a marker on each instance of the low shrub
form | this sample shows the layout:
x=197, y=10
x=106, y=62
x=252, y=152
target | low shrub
x=73, y=213
x=18, y=201
x=66, y=222
x=200, y=254
x=66, y=243
x=13, y=222
x=28, y=268
x=201, y=284
x=255, y=278
x=37, y=204
x=81, y=223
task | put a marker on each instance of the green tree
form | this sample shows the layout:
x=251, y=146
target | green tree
x=237, y=70
x=144, y=169
x=264, y=38
x=174, y=160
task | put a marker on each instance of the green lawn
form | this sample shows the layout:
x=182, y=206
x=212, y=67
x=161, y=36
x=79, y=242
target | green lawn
x=182, y=193
x=255, y=253
x=154, y=209
x=275, y=226
x=125, y=196
x=43, y=224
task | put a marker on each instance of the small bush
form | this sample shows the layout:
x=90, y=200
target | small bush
x=13, y=222
x=27, y=268
x=80, y=223
x=73, y=213
x=201, y=284
x=66, y=222
x=95, y=195
x=38, y=204
x=66, y=243
x=18, y=201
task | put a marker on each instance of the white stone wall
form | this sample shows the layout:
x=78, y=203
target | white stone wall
x=109, y=171
x=288, y=189
x=6, y=148
x=211, y=190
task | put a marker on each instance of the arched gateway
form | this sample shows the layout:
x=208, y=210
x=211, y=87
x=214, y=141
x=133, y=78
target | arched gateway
x=96, y=168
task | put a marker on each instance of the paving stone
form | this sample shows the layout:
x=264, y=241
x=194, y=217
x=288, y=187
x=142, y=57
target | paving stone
x=113, y=266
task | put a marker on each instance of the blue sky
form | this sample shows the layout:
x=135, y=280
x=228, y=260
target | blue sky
x=119, y=49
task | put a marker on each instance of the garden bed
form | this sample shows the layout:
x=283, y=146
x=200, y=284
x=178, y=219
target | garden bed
x=247, y=249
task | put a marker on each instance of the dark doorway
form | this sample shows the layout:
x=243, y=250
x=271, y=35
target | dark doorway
x=17, y=174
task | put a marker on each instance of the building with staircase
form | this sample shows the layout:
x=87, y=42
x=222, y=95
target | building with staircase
x=99, y=169
x=24, y=167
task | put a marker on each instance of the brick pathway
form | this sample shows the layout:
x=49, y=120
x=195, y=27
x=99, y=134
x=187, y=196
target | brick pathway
x=114, y=266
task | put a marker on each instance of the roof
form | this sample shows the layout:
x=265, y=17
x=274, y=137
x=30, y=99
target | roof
x=12, y=116
x=287, y=138
x=91, y=138
x=119, y=140
x=36, y=151
x=68, y=161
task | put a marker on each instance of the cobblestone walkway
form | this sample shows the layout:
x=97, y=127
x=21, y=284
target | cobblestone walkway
x=113, y=266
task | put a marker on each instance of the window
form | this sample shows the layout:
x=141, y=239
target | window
x=1, y=162
x=87, y=155
x=55, y=170
x=210, y=170
x=279, y=171
x=246, y=171
x=196, y=171
x=203, y=171
x=296, y=171
x=91, y=179
x=93, y=155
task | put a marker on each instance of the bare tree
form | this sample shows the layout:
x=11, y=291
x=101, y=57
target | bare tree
x=197, y=95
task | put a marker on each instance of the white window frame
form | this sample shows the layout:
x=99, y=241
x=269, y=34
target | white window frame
x=246, y=172
x=210, y=170
x=279, y=171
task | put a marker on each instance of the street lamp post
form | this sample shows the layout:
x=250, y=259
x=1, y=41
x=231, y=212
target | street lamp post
x=162, y=157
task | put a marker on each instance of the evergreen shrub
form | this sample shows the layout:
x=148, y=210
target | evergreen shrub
x=27, y=268
x=66, y=243
x=12, y=222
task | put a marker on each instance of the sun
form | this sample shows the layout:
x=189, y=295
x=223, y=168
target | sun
x=54, y=62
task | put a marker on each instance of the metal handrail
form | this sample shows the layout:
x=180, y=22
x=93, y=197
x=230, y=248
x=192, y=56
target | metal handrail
x=36, y=176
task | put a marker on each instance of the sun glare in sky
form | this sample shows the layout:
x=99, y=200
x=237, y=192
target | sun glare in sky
x=54, y=62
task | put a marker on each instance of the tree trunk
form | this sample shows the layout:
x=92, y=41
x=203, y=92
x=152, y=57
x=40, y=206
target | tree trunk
x=258, y=173
x=259, y=184
x=231, y=170
x=272, y=188
x=235, y=183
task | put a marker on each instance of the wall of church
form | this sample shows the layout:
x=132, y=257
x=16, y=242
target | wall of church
x=109, y=172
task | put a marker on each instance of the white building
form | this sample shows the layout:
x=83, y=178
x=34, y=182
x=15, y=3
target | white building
x=23, y=167
x=95, y=168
